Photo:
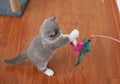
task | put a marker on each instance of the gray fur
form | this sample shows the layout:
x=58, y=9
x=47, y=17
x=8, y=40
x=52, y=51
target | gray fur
x=43, y=46
x=17, y=60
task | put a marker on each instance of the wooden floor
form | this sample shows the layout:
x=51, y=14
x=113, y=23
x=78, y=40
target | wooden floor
x=100, y=66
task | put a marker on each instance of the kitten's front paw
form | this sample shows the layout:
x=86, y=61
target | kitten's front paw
x=49, y=72
x=74, y=42
x=74, y=34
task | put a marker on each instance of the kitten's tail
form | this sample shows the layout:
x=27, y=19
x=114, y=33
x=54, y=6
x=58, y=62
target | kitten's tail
x=17, y=59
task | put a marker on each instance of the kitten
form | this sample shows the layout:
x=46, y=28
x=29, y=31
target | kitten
x=42, y=47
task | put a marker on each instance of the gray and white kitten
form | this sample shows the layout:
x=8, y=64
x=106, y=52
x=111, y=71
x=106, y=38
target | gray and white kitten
x=42, y=47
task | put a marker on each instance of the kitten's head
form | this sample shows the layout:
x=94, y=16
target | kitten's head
x=50, y=29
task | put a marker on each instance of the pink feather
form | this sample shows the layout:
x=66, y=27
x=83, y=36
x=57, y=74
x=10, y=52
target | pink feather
x=78, y=47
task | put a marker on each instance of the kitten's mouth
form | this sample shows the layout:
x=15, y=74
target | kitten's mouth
x=57, y=33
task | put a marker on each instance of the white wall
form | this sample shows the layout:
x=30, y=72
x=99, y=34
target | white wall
x=118, y=3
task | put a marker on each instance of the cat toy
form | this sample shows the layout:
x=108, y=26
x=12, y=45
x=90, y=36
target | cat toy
x=83, y=47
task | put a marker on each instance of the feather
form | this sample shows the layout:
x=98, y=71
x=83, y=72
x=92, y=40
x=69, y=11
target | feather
x=86, y=48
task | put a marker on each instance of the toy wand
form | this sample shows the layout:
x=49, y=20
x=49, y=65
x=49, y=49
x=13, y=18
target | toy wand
x=84, y=46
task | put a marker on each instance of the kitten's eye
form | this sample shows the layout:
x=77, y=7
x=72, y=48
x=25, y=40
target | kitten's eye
x=51, y=35
x=55, y=32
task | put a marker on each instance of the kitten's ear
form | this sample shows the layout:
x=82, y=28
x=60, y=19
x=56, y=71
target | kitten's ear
x=53, y=19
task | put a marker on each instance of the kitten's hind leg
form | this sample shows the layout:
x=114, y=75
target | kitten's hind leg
x=43, y=67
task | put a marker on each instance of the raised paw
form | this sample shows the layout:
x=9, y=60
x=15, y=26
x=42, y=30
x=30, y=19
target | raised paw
x=74, y=34
x=49, y=72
